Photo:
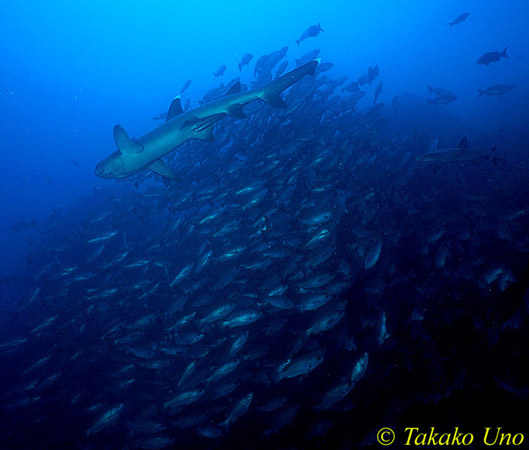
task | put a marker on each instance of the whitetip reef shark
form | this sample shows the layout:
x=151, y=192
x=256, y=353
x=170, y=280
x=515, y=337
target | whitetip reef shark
x=146, y=152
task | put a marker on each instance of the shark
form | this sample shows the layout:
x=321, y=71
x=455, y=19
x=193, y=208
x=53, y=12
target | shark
x=146, y=152
x=463, y=152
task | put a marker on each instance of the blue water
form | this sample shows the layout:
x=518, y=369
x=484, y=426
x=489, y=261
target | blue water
x=70, y=71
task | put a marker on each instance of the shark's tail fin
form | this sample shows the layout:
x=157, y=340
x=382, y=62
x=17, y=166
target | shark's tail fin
x=270, y=93
x=481, y=92
x=298, y=41
x=430, y=89
x=430, y=102
x=320, y=28
x=504, y=53
x=240, y=67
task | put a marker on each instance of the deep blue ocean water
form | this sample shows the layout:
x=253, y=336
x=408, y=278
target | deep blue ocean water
x=357, y=259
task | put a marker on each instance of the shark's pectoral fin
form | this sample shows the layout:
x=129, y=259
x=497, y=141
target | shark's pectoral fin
x=235, y=110
x=205, y=134
x=124, y=143
x=203, y=127
x=163, y=170
x=175, y=109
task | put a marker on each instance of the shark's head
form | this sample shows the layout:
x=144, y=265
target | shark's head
x=112, y=166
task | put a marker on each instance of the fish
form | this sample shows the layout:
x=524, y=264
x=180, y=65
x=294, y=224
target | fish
x=281, y=69
x=301, y=366
x=264, y=65
x=372, y=73
x=443, y=96
x=307, y=57
x=311, y=31
x=490, y=57
x=461, y=153
x=185, y=86
x=459, y=19
x=306, y=242
x=220, y=71
x=497, y=89
x=133, y=156
x=245, y=60
x=240, y=408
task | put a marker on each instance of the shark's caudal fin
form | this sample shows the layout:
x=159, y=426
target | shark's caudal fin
x=270, y=93
x=504, y=53
x=481, y=92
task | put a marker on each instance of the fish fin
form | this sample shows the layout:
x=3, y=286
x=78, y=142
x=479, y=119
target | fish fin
x=320, y=28
x=504, y=53
x=429, y=101
x=124, y=143
x=481, y=92
x=235, y=110
x=430, y=89
x=163, y=170
x=298, y=41
x=463, y=143
x=240, y=67
x=205, y=134
x=270, y=93
x=235, y=89
x=175, y=109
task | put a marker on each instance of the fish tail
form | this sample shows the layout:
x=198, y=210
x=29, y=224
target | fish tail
x=481, y=92
x=429, y=101
x=320, y=28
x=298, y=41
x=270, y=93
x=504, y=53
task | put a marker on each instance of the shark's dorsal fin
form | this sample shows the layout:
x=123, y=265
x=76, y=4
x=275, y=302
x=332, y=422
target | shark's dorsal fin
x=124, y=143
x=163, y=170
x=463, y=143
x=235, y=89
x=175, y=109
